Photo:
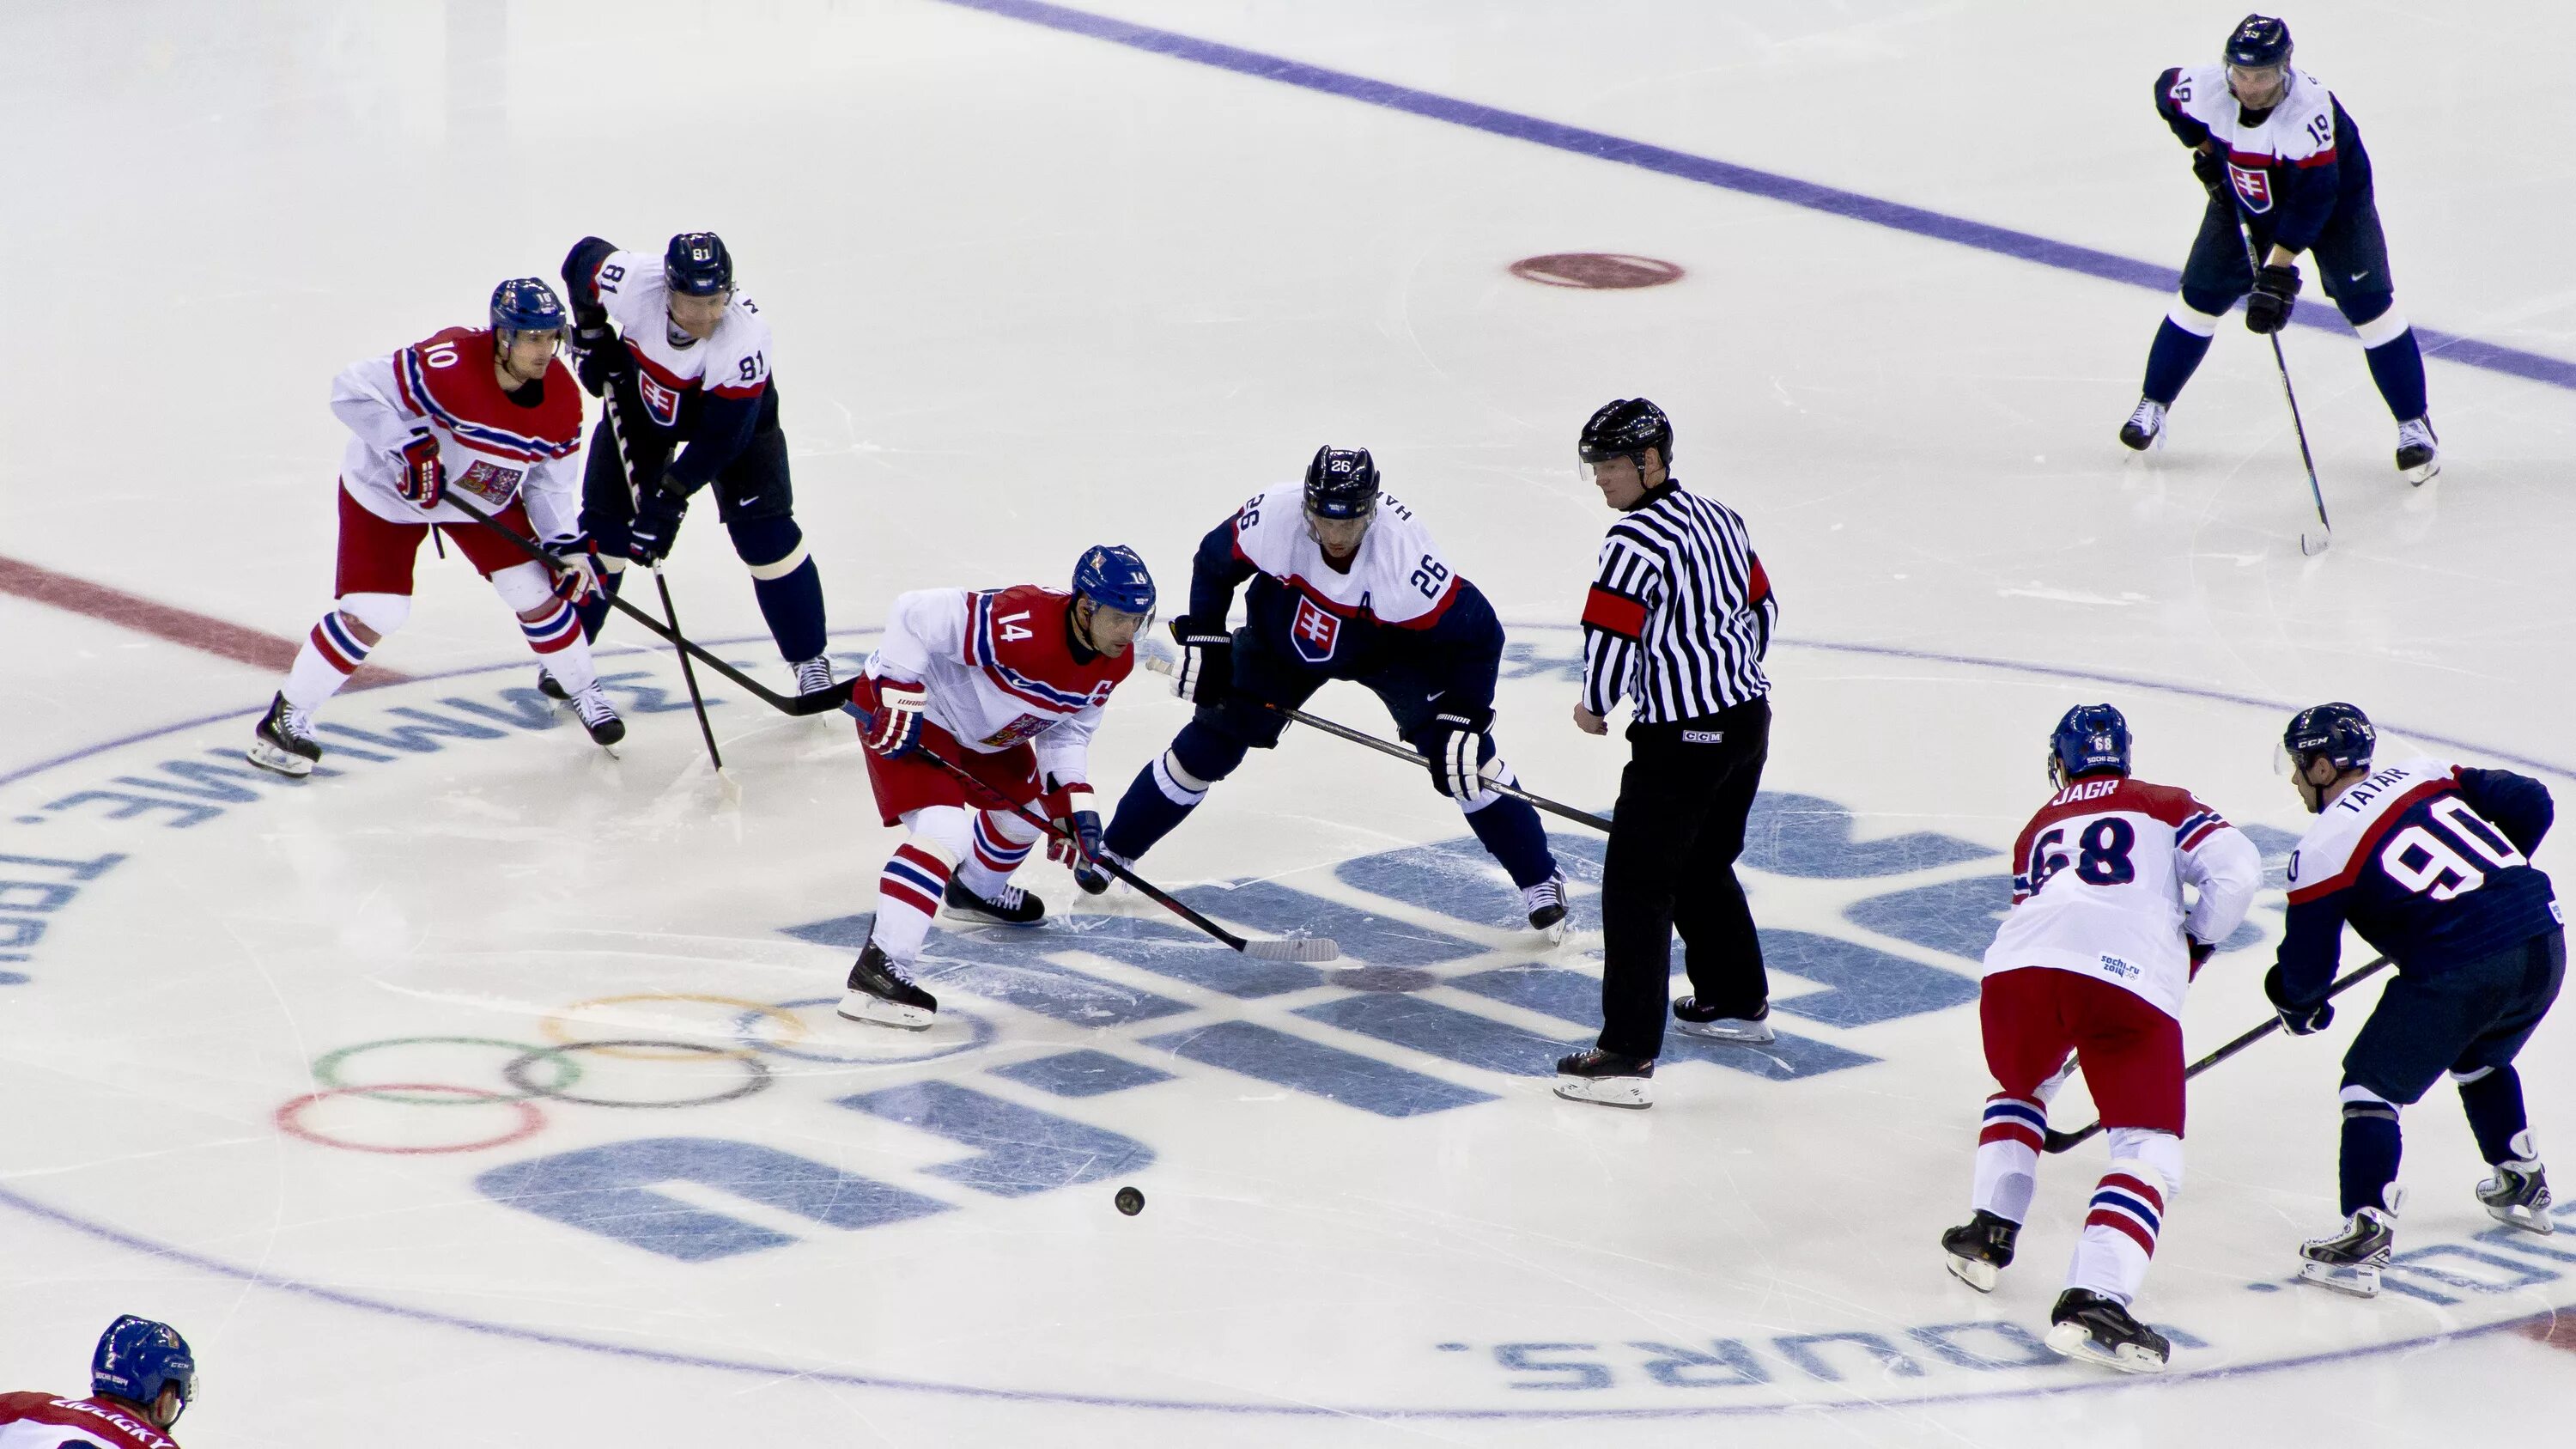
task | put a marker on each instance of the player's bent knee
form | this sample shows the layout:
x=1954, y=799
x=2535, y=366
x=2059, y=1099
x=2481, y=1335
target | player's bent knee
x=2198, y=312
x=945, y=830
x=2135, y=1148
x=527, y=587
x=1199, y=757
x=2375, y=319
x=2361, y=1101
x=772, y=548
x=374, y=615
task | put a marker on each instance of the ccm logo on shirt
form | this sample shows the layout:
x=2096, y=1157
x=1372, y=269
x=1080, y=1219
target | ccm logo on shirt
x=1703, y=737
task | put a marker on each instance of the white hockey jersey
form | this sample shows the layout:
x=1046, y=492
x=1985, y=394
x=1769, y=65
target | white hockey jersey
x=734, y=362
x=2098, y=881
x=1001, y=671
x=2298, y=132
x=493, y=449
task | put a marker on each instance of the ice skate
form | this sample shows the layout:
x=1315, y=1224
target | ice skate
x=1547, y=907
x=1607, y=1078
x=551, y=687
x=1980, y=1249
x=2518, y=1196
x=1009, y=906
x=2419, y=453
x=2146, y=427
x=2350, y=1260
x=1094, y=880
x=881, y=995
x=813, y=674
x=598, y=716
x=283, y=741
x=2096, y=1329
x=1707, y=1023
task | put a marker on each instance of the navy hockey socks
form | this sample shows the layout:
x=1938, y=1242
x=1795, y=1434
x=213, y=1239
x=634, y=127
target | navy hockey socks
x=2493, y=1100
x=1169, y=788
x=793, y=605
x=2172, y=360
x=2370, y=1150
x=2398, y=368
x=1511, y=833
x=594, y=610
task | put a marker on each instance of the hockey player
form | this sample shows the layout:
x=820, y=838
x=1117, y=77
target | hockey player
x=1346, y=584
x=1007, y=684
x=489, y=413
x=2089, y=969
x=2273, y=147
x=686, y=367
x=2430, y=863
x=141, y=1379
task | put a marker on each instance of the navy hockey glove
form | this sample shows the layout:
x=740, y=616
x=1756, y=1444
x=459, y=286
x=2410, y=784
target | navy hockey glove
x=576, y=566
x=657, y=523
x=2276, y=291
x=1206, y=674
x=599, y=359
x=1069, y=808
x=424, y=478
x=2297, y=1018
x=1457, y=752
x=893, y=728
x=2211, y=168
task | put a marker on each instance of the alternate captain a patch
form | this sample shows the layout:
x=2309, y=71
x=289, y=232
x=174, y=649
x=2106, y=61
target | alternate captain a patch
x=1314, y=632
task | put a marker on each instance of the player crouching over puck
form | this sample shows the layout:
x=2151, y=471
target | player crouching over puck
x=977, y=704
x=2090, y=968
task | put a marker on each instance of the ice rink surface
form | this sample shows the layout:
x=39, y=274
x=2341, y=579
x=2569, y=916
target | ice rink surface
x=488, y=1092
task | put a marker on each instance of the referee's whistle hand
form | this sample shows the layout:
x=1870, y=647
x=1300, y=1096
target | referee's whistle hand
x=1590, y=723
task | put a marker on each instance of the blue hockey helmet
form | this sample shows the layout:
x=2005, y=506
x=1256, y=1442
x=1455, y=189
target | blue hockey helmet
x=1113, y=576
x=2089, y=739
x=1341, y=483
x=2257, y=42
x=696, y=264
x=1625, y=428
x=526, y=304
x=2337, y=732
x=138, y=1358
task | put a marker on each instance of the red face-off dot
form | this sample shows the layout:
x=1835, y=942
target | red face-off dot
x=1596, y=271
x=290, y=1118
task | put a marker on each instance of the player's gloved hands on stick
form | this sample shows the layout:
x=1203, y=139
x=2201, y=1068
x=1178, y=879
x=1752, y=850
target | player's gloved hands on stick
x=2297, y=1018
x=895, y=726
x=598, y=356
x=2276, y=291
x=424, y=478
x=2212, y=172
x=1069, y=808
x=657, y=523
x=576, y=559
x=1207, y=660
x=1457, y=751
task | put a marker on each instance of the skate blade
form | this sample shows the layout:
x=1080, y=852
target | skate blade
x=1977, y=1273
x=876, y=1011
x=2069, y=1340
x=2529, y=1219
x=1554, y=934
x=2342, y=1278
x=1631, y=1092
x=278, y=762
x=986, y=918
x=1742, y=1033
x=2418, y=477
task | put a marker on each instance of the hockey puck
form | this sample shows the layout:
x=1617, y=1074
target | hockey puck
x=1129, y=1201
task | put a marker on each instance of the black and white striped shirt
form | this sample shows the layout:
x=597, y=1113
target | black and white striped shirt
x=1680, y=612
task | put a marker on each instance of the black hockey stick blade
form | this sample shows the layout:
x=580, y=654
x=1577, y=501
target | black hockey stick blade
x=2057, y=1141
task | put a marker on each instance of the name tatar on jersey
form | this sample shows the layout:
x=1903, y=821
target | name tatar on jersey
x=1398, y=577
x=487, y=443
x=1015, y=640
x=734, y=362
x=2300, y=131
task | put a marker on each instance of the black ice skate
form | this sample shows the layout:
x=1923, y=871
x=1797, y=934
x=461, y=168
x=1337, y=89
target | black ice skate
x=813, y=674
x=283, y=741
x=1093, y=880
x=1009, y=906
x=2518, y=1196
x=551, y=687
x=1712, y=1024
x=598, y=716
x=881, y=995
x=2350, y=1261
x=1606, y=1078
x=2099, y=1330
x=1980, y=1249
x=1546, y=902
x=2146, y=427
x=2419, y=453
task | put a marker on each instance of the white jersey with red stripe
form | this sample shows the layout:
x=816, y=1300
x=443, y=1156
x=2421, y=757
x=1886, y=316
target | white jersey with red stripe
x=2097, y=886
x=42, y=1421
x=493, y=446
x=733, y=362
x=2298, y=132
x=1001, y=670
x=1397, y=578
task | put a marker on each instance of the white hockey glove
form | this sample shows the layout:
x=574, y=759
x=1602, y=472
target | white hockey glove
x=1207, y=661
x=576, y=567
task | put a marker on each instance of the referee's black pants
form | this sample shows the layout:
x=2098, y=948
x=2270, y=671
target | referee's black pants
x=1673, y=842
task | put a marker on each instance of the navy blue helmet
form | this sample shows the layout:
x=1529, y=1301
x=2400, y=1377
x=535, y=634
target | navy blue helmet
x=696, y=264
x=138, y=1358
x=526, y=304
x=2259, y=41
x=1625, y=428
x=1341, y=483
x=2088, y=738
x=2338, y=732
x=1113, y=576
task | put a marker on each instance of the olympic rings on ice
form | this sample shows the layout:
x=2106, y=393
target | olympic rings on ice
x=979, y=1032
x=561, y=1032
x=326, y=1070
x=755, y=1071
x=290, y=1119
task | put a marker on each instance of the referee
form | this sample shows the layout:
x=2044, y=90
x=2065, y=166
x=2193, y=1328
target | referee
x=1677, y=621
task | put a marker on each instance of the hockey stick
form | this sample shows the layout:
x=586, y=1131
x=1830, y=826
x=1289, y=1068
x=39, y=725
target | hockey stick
x=1162, y=663
x=634, y=497
x=2060, y=1141
x=1309, y=948
x=820, y=701
x=2308, y=545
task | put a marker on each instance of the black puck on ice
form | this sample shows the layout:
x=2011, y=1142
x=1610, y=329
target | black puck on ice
x=1129, y=1201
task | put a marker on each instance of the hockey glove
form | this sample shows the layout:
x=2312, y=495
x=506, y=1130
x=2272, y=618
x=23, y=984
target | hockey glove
x=2276, y=291
x=1068, y=807
x=1207, y=661
x=893, y=729
x=424, y=478
x=576, y=567
x=2297, y=1018
x=657, y=523
x=599, y=357
x=1458, y=749
x=2212, y=171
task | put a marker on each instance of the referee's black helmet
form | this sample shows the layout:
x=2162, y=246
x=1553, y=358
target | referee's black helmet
x=1625, y=428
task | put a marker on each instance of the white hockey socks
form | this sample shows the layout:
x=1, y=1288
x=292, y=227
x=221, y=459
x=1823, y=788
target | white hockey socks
x=2008, y=1156
x=332, y=653
x=1001, y=840
x=2127, y=1214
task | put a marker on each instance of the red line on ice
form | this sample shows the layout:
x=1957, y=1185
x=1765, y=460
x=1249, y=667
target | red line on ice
x=166, y=622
